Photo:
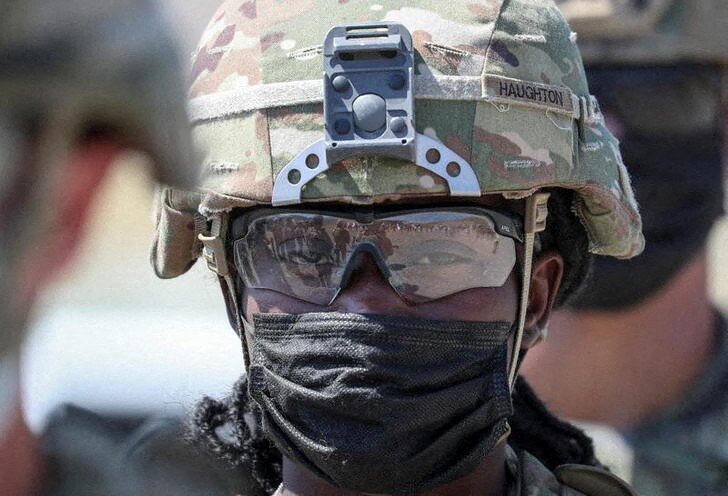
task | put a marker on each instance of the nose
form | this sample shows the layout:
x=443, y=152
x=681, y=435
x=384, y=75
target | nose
x=368, y=291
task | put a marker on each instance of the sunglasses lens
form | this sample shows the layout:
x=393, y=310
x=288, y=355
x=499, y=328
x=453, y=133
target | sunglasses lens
x=442, y=253
x=426, y=255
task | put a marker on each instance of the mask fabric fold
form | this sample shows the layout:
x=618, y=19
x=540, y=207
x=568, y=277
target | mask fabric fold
x=381, y=404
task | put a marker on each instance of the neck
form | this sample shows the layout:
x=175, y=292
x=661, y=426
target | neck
x=20, y=459
x=639, y=360
x=488, y=479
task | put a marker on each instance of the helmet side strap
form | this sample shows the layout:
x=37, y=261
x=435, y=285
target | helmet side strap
x=535, y=221
x=215, y=255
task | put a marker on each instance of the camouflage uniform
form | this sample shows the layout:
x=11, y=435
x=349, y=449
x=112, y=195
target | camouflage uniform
x=159, y=462
x=500, y=83
x=684, y=449
x=528, y=477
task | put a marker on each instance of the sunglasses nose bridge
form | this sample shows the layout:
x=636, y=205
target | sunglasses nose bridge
x=366, y=259
x=365, y=287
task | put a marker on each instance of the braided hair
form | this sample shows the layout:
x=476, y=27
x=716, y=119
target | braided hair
x=243, y=446
x=551, y=440
x=533, y=427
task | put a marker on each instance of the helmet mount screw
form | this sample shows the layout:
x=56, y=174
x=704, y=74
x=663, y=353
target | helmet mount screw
x=294, y=176
x=342, y=126
x=397, y=124
x=340, y=83
x=453, y=169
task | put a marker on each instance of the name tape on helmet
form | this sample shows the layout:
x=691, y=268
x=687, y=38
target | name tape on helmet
x=492, y=88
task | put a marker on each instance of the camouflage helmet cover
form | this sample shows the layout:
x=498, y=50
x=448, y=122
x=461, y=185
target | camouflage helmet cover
x=521, y=115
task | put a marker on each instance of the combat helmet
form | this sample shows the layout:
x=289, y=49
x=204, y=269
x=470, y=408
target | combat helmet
x=491, y=99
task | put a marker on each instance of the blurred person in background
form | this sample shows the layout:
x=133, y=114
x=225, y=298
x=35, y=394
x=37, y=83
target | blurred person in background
x=655, y=347
x=81, y=81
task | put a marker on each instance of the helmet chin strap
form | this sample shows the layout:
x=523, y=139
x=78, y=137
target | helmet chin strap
x=215, y=255
x=534, y=222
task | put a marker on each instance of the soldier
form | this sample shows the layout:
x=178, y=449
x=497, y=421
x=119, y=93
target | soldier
x=390, y=241
x=81, y=81
x=656, y=69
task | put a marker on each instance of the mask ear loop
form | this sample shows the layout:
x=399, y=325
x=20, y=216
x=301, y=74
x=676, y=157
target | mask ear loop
x=215, y=255
x=534, y=222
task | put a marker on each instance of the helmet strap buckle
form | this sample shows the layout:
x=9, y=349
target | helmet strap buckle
x=213, y=248
x=215, y=255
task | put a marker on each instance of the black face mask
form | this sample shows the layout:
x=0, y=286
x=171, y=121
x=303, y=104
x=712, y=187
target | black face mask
x=672, y=147
x=680, y=190
x=381, y=404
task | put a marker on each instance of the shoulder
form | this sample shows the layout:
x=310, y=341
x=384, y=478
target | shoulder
x=81, y=450
x=593, y=481
x=90, y=454
x=531, y=477
x=160, y=461
x=684, y=449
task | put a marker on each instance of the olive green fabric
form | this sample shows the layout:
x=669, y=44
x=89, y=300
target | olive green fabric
x=528, y=477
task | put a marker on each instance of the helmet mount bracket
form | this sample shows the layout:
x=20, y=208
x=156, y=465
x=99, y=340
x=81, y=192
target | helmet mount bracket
x=368, y=89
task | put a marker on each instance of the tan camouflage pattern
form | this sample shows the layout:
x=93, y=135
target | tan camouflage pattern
x=514, y=149
x=69, y=68
x=649, y=31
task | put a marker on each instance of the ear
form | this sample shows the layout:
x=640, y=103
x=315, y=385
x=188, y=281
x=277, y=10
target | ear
x=548, y=268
